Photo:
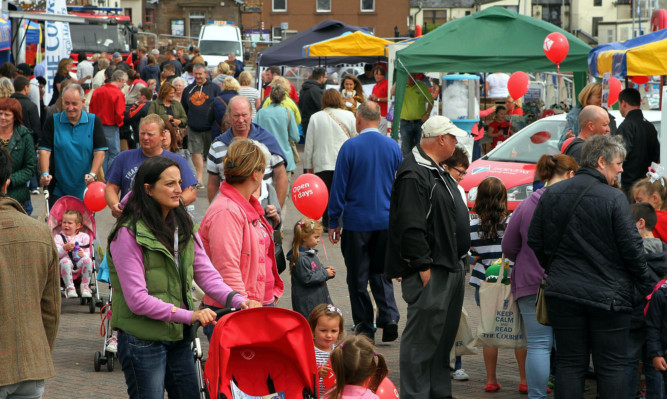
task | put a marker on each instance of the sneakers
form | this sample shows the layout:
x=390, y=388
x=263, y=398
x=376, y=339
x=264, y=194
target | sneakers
x=112, y=344
x=70, y=292
x=35, y=191
x=200, y=186
x=86, y=292
x=460, y=375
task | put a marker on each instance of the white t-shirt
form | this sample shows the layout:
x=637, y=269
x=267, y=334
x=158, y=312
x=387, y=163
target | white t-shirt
x=498, y=85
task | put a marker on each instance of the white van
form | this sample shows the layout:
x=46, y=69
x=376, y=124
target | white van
x=217, y=40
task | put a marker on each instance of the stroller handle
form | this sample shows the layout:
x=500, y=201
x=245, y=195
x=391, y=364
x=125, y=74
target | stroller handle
x=218, y=313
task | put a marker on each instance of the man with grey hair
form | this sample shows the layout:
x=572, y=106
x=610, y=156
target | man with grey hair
x=197, y=99
x=108, y=102
x=593, y=121
x=360, y=193
x=429, y=238
x=67, y=166
x=584, y=236
x=240, y=66
x=240, y=114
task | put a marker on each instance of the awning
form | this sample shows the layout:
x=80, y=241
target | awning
x=5, y=34
x=349, y=44
x=641, y=56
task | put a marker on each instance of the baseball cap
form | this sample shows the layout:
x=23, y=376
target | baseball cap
x=117, y=55
x=24, y=69
x=438, y=125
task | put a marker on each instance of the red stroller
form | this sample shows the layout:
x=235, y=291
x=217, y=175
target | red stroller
x=263, y=351
x=54, y=222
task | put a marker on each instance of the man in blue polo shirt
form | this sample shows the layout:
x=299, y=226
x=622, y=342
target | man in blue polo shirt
x=360, y=193
x=72, y=148
x=123, y=169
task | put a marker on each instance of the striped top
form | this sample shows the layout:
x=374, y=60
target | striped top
x=251, y=94
x=321, y=358
x=488, y=251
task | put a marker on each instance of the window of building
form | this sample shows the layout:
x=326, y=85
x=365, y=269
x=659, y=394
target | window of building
x=197, y=19
x=596, y=26
x=551, y=13
x=149, y=16
x=128, y=12
x=279, y=5
x=323, y=5
x=435, y=17
x=367, y=5
x=467, y=12
x=597, y=3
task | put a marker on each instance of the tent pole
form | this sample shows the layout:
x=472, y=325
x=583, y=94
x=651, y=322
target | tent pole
x=662, y=84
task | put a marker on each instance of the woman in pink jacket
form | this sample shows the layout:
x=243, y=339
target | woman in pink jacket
x=236, y=235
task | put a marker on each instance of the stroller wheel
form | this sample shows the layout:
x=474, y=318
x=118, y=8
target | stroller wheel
x=110, y=361
x=97, y=363
x=91, y=305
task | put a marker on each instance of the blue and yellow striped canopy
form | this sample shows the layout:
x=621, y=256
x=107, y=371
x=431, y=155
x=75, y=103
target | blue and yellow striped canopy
x=642, y=56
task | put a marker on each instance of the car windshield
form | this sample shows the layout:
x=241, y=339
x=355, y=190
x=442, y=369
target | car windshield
x=529, y=144
x=219, y=47
x=96, y=38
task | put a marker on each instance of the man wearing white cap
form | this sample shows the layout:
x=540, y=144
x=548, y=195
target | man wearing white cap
x=429, y=237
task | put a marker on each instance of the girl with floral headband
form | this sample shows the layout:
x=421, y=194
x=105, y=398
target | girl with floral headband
x=309, y=276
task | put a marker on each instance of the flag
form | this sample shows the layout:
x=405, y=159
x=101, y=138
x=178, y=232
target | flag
x=58, y=44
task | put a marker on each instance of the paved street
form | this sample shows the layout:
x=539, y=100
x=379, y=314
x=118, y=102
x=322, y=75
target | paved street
x=79, y=335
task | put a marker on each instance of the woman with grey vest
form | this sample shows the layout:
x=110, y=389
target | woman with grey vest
x=155, y=253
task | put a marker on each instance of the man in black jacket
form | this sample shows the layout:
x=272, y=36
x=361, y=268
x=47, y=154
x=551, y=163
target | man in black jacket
x=429, y=237
x=310, y=97
x=641, y=139
x=30, y=112
x=598, y=262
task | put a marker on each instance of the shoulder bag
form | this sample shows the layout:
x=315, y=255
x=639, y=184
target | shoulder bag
x=540, y=302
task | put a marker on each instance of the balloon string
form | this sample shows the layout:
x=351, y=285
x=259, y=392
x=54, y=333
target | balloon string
x=562, y=94
x=324, y=248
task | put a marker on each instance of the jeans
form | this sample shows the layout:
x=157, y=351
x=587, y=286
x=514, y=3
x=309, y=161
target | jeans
x=636, y=352
x=27, y=207
x=112, y=135
x=152, y=366
x=580, y=329
x=31, y=389
x=411, y=133
x=540, y=340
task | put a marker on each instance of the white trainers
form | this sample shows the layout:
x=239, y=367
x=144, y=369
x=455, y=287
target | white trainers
x=86, y=292
x=71, y=292
x=460, y=375
x=112, y=344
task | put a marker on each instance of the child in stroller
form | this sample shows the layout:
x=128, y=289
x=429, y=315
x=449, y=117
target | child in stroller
x=74, y=260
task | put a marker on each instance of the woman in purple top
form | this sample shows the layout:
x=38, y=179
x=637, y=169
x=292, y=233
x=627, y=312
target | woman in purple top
x=527, y=273
x=155, y=253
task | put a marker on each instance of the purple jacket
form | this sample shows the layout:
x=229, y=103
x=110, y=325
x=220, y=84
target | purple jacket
x=527, y=272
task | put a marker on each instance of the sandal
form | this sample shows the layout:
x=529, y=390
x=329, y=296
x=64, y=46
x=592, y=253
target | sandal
x=492, y=387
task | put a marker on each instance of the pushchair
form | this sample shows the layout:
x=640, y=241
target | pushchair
x=262, y=351
x=88, y=227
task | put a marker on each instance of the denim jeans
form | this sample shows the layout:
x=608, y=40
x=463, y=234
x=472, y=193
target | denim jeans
x=31, y=389
x=637, y=352
x=152, y=366
x=540, y=340
x=582, y=329
x=113, y=142
x=411, y=133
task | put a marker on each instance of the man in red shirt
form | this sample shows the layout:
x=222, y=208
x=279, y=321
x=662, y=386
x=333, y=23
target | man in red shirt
x=267, y=77
x=380, y=95
x=108, y=102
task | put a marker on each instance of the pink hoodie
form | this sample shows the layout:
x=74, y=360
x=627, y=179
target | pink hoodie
x=232, y=237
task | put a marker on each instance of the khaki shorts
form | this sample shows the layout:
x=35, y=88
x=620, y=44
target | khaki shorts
x=199, y=142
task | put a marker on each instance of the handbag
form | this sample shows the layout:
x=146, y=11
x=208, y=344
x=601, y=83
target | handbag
x=292, y=144
x=390, y=113
x=464, y=343
x=540, y=301
x=281, y=262
x=500, y=324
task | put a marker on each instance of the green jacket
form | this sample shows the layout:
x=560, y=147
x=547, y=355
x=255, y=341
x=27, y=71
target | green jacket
x=163, y=280
x=158, y=107
x=24, y=163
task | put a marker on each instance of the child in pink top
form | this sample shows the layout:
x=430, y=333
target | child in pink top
x=358, y=368
x=70, y=260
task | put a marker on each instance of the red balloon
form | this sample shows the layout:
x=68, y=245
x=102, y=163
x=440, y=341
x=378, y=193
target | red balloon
x=329, y=380
x=566, y=144
x=518, y=84
x=94, y=196
x=387, y=390
x=615, y=88
x=640, y=80
x=556, y=47
x=310, y=195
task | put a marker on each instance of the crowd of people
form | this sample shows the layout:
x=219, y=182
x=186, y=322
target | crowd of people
x=147, y=126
